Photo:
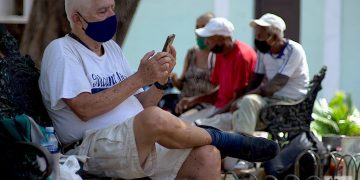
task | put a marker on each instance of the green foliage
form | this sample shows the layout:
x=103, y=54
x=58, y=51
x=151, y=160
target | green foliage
x=339, y=117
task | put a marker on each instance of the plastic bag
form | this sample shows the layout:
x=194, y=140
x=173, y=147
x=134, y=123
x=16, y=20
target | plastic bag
x=69, y=168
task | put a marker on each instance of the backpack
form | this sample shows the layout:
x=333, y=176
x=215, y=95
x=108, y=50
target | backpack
x=283, y=164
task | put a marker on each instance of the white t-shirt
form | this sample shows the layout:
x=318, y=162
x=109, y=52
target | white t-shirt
x=68, y=68
x=290, y=62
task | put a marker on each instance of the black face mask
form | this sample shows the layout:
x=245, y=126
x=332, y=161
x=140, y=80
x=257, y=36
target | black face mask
x=262, y=46
x=217, y=49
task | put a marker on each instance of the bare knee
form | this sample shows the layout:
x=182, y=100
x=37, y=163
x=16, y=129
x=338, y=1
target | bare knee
x=155, y=119
x=202, y=163
x=251, y=98
x=209, y=158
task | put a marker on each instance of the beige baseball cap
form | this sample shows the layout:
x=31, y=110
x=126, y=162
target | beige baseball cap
x=268, y=20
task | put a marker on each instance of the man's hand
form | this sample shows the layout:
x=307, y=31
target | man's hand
x=234, y=106
x=184, y=104
x=172, y=55
x=168, y=64
x=156, y=67
x=172, y=51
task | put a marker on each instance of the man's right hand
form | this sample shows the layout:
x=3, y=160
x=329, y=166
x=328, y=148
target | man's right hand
x=154, y=68
x=184, y=104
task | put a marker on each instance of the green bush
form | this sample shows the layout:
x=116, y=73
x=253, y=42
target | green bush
x=339, y=117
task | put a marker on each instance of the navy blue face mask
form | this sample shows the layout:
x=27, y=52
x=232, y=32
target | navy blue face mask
x=101, y=31
x=262, y=46
x=217, y=49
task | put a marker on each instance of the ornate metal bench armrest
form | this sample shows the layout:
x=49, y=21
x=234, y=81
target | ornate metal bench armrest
x=28, y=160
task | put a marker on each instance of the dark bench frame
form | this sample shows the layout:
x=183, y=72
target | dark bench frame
x=286, y=120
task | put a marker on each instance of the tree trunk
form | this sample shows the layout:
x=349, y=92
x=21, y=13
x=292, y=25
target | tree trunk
x=125, y=11
x=48, y=21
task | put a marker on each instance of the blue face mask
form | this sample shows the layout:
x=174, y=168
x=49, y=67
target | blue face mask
x=101, y=31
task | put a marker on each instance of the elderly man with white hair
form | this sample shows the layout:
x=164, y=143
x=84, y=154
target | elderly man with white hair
x=99, y=109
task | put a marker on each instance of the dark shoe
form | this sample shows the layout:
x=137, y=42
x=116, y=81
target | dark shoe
x=254, y=149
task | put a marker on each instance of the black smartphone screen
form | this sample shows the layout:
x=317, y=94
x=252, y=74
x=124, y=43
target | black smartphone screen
x=169, y=41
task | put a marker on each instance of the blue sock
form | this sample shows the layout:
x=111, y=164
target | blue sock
x=240, y=146
x=224, y=141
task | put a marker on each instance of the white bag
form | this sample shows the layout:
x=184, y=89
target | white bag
x=69, y=168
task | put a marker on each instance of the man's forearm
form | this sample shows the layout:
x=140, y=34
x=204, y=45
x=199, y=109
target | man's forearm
x=87, y=106
x=208, y=98
x=255, y=82
x=274, y=85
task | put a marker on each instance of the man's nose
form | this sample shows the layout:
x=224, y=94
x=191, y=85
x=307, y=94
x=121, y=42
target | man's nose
x=111, y=12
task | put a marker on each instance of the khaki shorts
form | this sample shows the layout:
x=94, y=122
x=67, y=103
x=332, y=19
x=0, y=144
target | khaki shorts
x=112, y=152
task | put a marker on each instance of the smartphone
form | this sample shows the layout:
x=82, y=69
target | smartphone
x=169, y=41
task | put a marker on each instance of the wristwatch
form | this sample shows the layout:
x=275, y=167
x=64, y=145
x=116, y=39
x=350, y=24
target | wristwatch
x=163, y=87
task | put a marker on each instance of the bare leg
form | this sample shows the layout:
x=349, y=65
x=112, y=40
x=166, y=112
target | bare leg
x=155, y=125
x=202, y=163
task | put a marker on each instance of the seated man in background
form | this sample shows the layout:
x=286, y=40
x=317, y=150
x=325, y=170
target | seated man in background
x=282, y=62
x=94, y=99
x=235, y=62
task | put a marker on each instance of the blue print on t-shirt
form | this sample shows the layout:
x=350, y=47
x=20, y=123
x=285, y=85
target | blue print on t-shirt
x=100, y=83
x=96, y=90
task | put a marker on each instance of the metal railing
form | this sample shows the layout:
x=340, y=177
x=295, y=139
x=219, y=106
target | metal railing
x=340, y=166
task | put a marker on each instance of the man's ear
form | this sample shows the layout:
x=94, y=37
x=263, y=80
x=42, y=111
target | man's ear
x=76, y=19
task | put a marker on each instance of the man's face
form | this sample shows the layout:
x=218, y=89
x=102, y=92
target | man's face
x=99, y=10
x=212, y=41
x=261, y=33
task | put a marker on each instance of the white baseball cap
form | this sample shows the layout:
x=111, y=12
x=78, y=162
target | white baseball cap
x=216, y=26
x=268, y=20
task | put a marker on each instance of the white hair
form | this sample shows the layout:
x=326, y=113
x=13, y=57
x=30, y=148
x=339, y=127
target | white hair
x=72, y=6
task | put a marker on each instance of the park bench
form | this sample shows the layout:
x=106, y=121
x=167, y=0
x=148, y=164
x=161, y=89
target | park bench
x=289, y=125
x=286, y=120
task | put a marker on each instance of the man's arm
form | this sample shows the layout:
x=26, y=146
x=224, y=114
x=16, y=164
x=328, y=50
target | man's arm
x=188, y=102
x=87, y=106
x=207, y=98
x=255, y=81
x=274, y=85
